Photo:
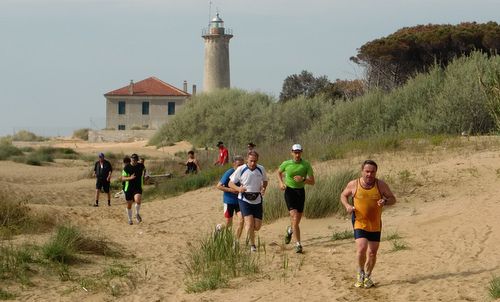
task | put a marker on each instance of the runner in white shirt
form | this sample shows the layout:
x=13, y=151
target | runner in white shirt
x=252, y=181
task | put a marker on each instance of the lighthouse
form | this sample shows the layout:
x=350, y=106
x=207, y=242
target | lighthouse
x=216, y=74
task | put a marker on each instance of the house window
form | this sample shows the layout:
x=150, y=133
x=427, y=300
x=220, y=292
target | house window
x=145, y=108
x=171, y=108
x=121, y=107
x=121, y=127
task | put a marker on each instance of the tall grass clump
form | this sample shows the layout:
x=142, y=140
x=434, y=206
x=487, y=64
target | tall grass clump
x=322, y=199
x=69, y=241
x=214, y=260
x=15, y=263
x=16, y=217
x=494, y=287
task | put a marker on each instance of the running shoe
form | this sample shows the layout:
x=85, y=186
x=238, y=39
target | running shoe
x=367, y=282
x=288, y=235
x=130, y=222
x=253, y=249
x=298, y=248
x=359, y=280
x=138, y=217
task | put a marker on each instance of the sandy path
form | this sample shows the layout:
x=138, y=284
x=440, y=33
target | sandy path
x=449, y=221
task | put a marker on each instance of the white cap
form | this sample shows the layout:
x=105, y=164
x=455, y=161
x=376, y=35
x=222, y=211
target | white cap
x=297, y=147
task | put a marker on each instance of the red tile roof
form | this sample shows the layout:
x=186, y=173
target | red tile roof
x=148, y=87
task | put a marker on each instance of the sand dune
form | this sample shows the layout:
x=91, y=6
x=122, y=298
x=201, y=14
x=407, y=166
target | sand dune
x=447, y=215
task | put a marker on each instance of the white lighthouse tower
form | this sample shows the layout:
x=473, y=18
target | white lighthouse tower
x=216, y=74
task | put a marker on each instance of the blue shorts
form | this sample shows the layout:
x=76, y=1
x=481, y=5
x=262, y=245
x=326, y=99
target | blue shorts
x=248, y=209
x=371, y=236
x=231, y=209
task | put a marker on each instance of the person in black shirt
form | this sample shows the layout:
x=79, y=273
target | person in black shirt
x=102, y=173
x=133, y=175
x=192, y=164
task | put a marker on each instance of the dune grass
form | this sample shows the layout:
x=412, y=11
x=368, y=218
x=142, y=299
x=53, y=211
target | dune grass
x=322, y=199
x=4, y=295
x=15, y=263
x=16, y=217
x=69, y=241
x=214, y=260
x=494, y=287
x=347, y=234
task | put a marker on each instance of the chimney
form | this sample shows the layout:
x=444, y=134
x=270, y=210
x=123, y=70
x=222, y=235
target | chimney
x=131, y=87
x=185, y=86
x=194, y=90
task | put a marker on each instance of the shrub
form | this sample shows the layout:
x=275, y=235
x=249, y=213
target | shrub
x=27, y=136
x=82, y=134
x=15, y=263
x=8, y=150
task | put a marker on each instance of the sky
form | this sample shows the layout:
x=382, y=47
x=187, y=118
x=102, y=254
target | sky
x=58, y=57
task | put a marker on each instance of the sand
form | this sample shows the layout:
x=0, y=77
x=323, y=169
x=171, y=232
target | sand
x=447, y=215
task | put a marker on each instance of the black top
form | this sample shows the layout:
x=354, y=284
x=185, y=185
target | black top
x=138, y=170
x=102, y=172
x=191, y=167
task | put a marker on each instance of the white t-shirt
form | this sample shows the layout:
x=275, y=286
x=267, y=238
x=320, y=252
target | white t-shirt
x=251, y=180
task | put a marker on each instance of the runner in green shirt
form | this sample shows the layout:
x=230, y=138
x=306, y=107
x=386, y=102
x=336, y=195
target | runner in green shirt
x=293, y=175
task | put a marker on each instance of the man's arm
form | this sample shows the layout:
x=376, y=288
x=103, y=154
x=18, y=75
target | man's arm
x=344, y=196
x=239, y=189
x=264, y=187
x=388, y=197
x=280, y=179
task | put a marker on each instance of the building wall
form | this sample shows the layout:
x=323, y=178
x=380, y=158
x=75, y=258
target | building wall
x=98, y=136
x=133, y=117
x=216, y=72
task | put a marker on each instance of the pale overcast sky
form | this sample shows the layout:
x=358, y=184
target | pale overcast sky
x=58, y=57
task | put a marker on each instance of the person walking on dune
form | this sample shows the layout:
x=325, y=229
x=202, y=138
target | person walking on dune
x=293, y=175
x=102, y=173
x=223, y=157
x=230, y=197
x=370, y=195
x=250, y=180
x=133, y=175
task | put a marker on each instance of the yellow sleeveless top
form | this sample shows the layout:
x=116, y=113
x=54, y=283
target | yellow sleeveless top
x=368, y=214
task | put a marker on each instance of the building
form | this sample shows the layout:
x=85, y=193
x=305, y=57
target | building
x=216, y=74
x=147, y=104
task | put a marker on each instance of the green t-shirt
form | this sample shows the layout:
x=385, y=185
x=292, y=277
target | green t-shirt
x=291, y=168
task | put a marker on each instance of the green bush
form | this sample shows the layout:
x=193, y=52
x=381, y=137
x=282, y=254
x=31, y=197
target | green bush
x=26, y=136
x=16, y=217
x=494, y=287
x=8, y=150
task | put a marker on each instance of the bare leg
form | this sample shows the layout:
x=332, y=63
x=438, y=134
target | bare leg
x=372, y=256
x=361, y=247
x=239, y=228
x=249, y=225
x=295, y=218
x=97, y=194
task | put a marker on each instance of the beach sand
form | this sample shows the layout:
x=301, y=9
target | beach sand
x=447, y=215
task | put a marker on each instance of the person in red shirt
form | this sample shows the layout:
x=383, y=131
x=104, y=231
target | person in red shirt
x=223, y=155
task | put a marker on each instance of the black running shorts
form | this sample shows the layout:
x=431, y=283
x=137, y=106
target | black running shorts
x=295, y=199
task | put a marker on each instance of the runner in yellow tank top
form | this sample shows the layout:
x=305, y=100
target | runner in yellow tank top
x=370, y=196
x=367, y=214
